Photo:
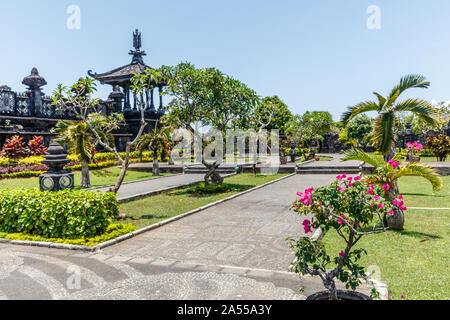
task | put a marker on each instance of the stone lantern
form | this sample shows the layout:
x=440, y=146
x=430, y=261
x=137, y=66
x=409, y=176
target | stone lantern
x=34, y=82
x=56, y=178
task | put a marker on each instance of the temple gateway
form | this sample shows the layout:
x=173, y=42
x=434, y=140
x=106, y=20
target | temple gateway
x=30, y=113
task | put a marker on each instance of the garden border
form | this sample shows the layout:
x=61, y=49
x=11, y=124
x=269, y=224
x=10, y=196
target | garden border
x=111, y=242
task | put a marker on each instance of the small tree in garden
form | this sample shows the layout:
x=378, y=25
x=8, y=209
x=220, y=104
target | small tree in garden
x=439, y=145
x=14, y=148
x=386, y=175
x=36, y=146
x=156, y=141
x=79, y=100
x=351, y=207
x=206, y=96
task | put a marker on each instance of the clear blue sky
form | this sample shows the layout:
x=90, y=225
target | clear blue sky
x=315, y=55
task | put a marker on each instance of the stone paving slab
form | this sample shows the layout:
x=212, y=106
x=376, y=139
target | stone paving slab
x=234, y=250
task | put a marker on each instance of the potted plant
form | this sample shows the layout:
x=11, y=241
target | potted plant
x=351, y=207
x=413, y=150
x=283, y=152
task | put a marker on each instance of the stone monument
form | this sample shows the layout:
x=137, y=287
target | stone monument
x=56, y=178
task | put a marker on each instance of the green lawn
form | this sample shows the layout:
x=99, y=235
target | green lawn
x=415, y=261
x=98, y=178
x=422, y=158
x=166, y=205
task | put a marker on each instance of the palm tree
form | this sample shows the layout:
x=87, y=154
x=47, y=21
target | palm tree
x=383, y=135
x=388, y=174
x=156, y=141
x=79, y=139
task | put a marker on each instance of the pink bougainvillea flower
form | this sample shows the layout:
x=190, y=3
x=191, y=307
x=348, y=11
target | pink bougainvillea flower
x=342, y=253
x=391, y=213
x=401, y=203
x=400, y=197
x=306, y=224
x=299, y=194
x=395, y=202
x=356, y=223
x=386, y=187
x=340, y=221
x=380, y=205
x=371, y=186
x=349, y=178
x=344, y=175
x=377, y=197
x=370, y=191
x=350, y=184
x=403, y=208
x=402, y=296
x=342, y=188
x=357, y=178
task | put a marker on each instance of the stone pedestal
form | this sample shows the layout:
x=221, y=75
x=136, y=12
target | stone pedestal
x=56, y=178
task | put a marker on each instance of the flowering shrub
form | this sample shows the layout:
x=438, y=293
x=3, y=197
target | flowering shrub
x=36, y=146
x=14, y=148
x=353, y=208
x=440, y=145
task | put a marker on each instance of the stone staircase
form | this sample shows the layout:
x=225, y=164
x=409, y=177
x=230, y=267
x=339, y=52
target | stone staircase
x=334, y=166
x=328, y=169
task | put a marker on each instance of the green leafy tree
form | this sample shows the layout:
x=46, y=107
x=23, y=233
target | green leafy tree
x=313, y=125
x=359, y=129
x=388, y=109
x=274, y=112
x=208, y=97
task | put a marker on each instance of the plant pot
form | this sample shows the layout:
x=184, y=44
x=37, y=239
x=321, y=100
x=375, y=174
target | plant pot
x=342, y=295
x=283, y=160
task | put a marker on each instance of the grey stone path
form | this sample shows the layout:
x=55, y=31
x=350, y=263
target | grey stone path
x=235, y=250
x=133, y=190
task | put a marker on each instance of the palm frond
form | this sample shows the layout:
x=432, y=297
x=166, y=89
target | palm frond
x=423, y=109
x=383, y=134
x=381, y=99
x=410, y=81
x=359, y=108
x=359, y=155
x=422, y=170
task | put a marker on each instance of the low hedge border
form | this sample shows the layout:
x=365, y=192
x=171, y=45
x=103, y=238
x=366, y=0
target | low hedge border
x=113, y=231
x=137, y=231
x=92, y=166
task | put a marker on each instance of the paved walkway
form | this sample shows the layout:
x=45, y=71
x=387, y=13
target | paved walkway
x=235, y=250
x=137, y=189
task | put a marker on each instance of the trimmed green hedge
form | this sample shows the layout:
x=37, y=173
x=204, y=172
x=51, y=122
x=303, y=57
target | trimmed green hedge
x=211, y=188
x=67, y=214
x=112, y=231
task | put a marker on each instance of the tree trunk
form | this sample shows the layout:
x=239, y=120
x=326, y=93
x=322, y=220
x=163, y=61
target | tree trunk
x=212, y=174
x=397, y=221
x=254, y=170
x=85, y=178
x=155, y=169
x=391, y=154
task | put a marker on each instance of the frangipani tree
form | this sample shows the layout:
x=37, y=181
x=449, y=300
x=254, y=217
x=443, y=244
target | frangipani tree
x=386, y=175
x=388, y=109
x=205, y=96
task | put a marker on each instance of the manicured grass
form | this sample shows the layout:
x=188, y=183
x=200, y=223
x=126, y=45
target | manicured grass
x=422, y=158
x=166, y=205
x=99, y=178
x=415, y=261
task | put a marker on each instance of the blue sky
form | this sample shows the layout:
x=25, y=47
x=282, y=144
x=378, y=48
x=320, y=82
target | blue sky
x=315, y=55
